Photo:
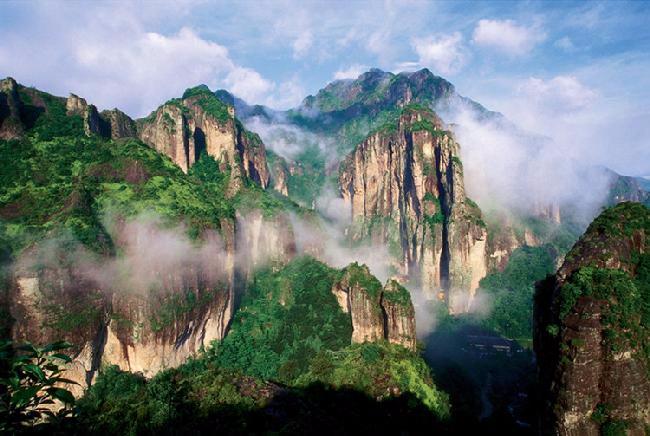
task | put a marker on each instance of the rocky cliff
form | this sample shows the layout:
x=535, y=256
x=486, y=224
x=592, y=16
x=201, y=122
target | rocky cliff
x=377, y=313
x=404, y=185
x=10, y=110
x=200, y=122
x=56, y=295
x=591, y=330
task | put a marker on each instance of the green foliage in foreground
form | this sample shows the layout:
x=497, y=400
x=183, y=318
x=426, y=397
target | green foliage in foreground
x=377, y=369
x=512, y=292
x=30, y=383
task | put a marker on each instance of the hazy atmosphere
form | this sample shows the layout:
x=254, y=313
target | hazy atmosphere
x=325, y=217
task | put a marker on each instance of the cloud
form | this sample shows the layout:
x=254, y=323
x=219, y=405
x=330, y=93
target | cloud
x=352, y=72
x=565, y=43
x=564, y=93
x=248, y=84
x=443, y=53
x=112, y=59
x=302, y=44
x=507, y=36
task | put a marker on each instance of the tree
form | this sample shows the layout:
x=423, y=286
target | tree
x=30, y=385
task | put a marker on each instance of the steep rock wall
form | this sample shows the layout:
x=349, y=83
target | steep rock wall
x=589, y=333
x=376, y=313
x=404, y=186
x=139, y=332
x=183, y=129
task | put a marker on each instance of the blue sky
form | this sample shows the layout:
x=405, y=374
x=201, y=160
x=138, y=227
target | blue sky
x=586, y=64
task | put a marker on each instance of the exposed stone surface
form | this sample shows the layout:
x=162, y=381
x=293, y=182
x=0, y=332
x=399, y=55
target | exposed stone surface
x=10, y=123
x=263, y=240
x=587, y=367
x=404, y=186
x=377, y=313
x=138, y=332
x=121, y=125
x=399, y=315
x=183, y=129
x=279, y=171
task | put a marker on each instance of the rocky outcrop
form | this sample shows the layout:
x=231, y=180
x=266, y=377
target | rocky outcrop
x=377, y=313
x=121, y=125
x=137, y=331
x=404, y=186
x=590, y=336
x=10, y=124
x=279, y=172
x=263, y=240
x=200, y=122
x=399, y=315
x=93, y=123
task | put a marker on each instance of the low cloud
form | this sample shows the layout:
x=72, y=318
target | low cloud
x=444, y=54
x=352, y=72
x=507, y=36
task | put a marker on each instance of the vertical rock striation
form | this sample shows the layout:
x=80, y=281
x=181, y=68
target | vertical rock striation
x=591, y=332
x=404, y=186
x=377, y=313
x=185, y=128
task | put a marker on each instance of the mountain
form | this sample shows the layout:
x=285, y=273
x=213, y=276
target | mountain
x=404, y=186
x=145, y=242
x=592, y=333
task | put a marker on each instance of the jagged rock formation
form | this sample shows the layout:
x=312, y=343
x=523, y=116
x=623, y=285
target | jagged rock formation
x=200, y=122
x=279, y=172
x=137, y=331
x=121, y=125
x=404, y=185
x=591, y=332
x=377, y=313
x=10, y=123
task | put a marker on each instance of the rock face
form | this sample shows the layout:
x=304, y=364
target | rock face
x=279, y=171
x=10, y=124
x=591, y=334
x=139, y=332
x=263, y=240
x=200, y=122
x=404, y=186
x=121, y=125
x=377, y=313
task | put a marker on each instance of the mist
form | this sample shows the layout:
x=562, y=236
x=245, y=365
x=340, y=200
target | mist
x=151, y=256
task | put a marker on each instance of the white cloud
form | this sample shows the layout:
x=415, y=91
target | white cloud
x=302, y=44
x=112, y=59
x=248, y=84
x=561, y=93
x=565, y=44
x=444, y=53
x=352, y=72
x=507, y=36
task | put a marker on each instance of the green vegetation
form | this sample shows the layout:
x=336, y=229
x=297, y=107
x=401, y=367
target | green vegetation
x=512, y=292
x=437, y=217
x=627, y=314
x=289, y=329
x=209, y=103
x=399, y=295
x=285, y=319
x=30, y=382
x=305, y=185
x=374, y=368
x=360, y=275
